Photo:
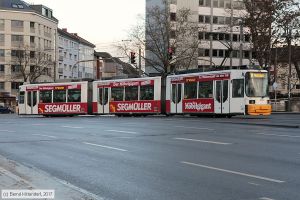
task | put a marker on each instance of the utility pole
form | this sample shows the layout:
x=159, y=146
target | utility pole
x=140, y=62
x=289, y=40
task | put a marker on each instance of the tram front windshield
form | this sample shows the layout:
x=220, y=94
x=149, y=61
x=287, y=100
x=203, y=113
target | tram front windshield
x=256, y=84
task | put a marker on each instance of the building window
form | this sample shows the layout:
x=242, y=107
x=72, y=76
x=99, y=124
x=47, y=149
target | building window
x=15, y=85
x=173, y=34
x=221, y=53
x=201, y=52
x=2, y=39
x=200, y=35
x=215, y=53
x=2, y=86
x=17, y=53
x=208, y=3
x=215, y=4
x=2, y=24
x=2, y=53
x=173, y=16
x=207, y=20
x=15, y=68
x=206, y=53
x=2, y=68
x=201, y=2
x=17, y=24
x=32, y=54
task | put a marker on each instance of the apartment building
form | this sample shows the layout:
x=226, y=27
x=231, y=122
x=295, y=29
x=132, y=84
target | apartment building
x=68, y=55
x=223, y=39
x=25, y=30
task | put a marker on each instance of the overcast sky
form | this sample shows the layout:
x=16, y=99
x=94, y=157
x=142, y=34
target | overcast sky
x=101, y=22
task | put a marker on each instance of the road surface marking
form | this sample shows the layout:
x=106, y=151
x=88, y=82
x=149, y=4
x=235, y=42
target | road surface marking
x=103, y=146
x=271, y=134
x=8, y=131
x=72, y=127
x=198, y=128
x=253, y=184
x=266, y=198
x=38, y=124
x=49, y=136
x=234, y=172
x=204, y=141
x=130, y=132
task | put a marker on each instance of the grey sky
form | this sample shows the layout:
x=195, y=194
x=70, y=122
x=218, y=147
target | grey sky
x=101, y=22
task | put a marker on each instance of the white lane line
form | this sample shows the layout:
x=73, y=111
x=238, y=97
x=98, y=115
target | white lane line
x=198, y=128
x=265, y=198
x=281, y=135
x=234, y=172
x=8, y=131
x=204, y=141
x=117, y=131
x=253, y=184
x=72, y=127
x=49, y=136
x=103, y=146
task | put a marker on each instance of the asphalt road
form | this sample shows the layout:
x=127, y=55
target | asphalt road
x=242, y=158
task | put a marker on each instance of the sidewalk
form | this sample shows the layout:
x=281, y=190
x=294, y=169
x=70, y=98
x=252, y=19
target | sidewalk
x=14, y=176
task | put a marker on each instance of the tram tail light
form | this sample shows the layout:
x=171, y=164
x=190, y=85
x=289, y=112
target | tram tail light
x=251, y=101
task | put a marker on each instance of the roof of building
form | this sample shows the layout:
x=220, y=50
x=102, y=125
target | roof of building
x=19, y=5
x=74, y=36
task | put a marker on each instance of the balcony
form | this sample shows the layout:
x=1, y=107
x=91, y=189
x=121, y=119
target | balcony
x=61, y=58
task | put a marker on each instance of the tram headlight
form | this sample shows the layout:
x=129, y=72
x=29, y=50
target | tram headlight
x=251, y=101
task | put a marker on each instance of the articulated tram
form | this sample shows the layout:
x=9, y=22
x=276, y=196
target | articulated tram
x=227, y=93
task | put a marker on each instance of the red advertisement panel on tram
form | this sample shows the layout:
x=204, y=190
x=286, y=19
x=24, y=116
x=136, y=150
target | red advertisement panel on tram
x=62, y=108
x=198, y=105
x=134, y=107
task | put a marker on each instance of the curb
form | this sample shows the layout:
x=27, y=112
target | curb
x=269, y=125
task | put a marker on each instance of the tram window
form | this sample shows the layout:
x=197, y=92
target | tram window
x=46, y=96
x=74, y=95
x=59, y=95
x=206, y=89
x=237, y=88
x=29, y=98
x=190, y=90
x=117, y=93
x=131, y=93
x=147, y=92
x=21, y=97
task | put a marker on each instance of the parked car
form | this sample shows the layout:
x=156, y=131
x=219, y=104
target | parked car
x=5, y=110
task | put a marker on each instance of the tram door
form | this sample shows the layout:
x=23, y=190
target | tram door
x=31, y=103
x=222, y=97
x=176, y=98
x=103, y=103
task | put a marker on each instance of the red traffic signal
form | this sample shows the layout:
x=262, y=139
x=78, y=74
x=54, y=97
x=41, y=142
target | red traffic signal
x=132, y=57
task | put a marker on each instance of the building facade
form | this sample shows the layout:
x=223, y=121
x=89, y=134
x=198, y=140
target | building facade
x=68, y=55
x=27, y=46
x=223, y=41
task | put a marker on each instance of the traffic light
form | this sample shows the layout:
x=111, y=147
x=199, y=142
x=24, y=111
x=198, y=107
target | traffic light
x=132, y=57
x=170, y=53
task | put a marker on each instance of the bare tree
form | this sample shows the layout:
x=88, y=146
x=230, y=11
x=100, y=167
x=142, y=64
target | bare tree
x=170, y=40
x=267, y=21
x=30, y=65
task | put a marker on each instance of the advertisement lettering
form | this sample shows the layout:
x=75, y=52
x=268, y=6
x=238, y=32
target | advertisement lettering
x=135, y=107
x=62, y=108
x=199, y=105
